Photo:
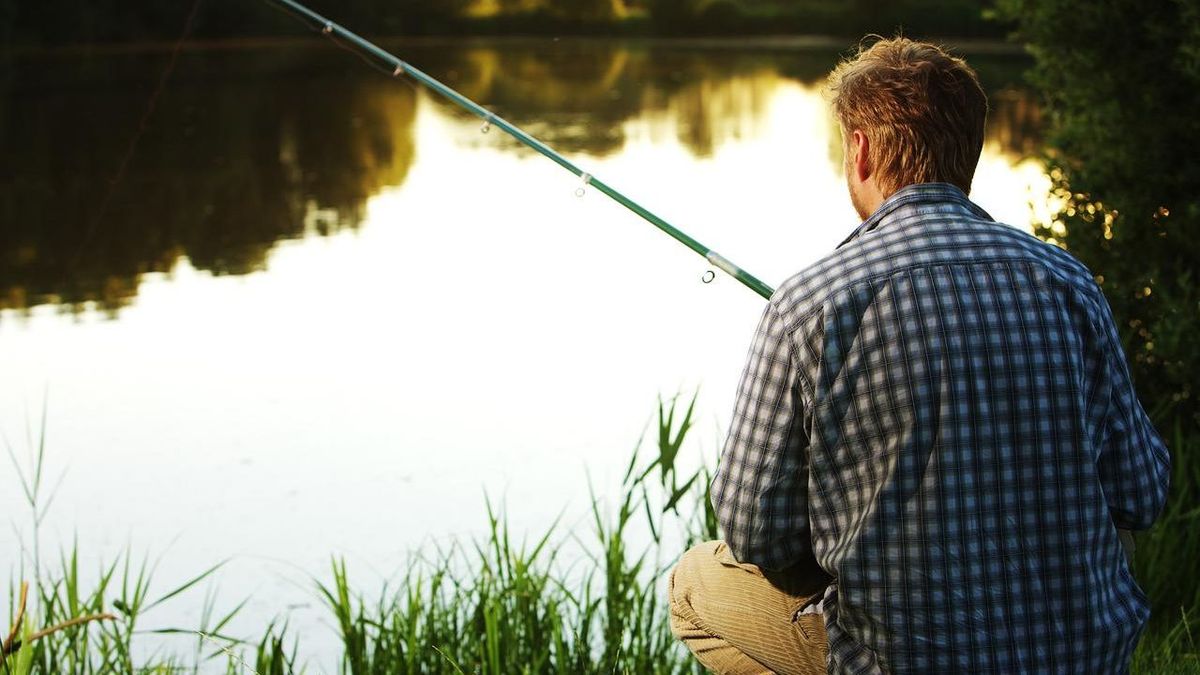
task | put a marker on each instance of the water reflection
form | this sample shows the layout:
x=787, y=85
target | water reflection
x=246, y=148
x=578, y=96
x=229, y=164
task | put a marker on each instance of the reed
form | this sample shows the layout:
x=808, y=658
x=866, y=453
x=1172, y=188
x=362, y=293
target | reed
x=66, y=622
x=1165, y=566
x=555, y=604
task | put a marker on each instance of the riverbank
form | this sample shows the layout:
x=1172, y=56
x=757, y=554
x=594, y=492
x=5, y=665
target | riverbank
x=553, y=601
x=764, y=43
x=57, y=23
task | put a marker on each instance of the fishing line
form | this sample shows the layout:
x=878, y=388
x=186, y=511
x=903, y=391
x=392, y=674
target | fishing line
x=396, y=68
x=143, y=124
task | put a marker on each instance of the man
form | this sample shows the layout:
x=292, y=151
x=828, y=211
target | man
x=935, y=439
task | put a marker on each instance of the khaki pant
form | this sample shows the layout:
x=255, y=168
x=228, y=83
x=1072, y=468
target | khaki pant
x=738, y=619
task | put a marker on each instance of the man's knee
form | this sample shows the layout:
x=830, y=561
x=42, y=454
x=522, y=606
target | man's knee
x=693, y=563
x=687, y=579
x=735, y=620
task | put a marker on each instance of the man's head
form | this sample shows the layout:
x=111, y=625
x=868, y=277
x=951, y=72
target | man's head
x=910, y=113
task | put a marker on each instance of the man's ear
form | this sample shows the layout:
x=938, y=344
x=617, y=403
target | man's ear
x=860, y=151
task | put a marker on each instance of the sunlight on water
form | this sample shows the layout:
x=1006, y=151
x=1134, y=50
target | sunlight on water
x=465, y=324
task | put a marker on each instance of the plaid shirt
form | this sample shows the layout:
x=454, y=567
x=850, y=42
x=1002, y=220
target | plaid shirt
x=941, y=414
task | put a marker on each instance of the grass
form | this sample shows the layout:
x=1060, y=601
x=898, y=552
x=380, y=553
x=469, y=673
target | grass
x=560, y=602
x=502, y=606
x=62, y=623
x=1166, y=566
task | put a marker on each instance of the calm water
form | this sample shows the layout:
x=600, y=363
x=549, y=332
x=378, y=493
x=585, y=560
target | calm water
x=321, y=313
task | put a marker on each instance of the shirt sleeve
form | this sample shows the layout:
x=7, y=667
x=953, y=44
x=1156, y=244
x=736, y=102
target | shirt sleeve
x=759, y=491
x=1134, y=465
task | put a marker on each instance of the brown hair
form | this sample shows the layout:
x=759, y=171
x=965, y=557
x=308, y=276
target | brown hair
x=921, y=109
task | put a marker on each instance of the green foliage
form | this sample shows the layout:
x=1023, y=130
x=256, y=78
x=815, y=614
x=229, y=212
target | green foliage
x=74, y=628
x=1121, y=82
x=412, y=17
x=671, y=17
x=587, y=10
x=55, y=22
x=67, y=622
x=1165, y=560
x=955, y=18
x=1174, y=651
x=525, y=611
x=271, y=656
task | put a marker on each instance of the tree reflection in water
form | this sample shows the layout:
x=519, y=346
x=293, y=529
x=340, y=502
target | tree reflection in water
x=248, y=147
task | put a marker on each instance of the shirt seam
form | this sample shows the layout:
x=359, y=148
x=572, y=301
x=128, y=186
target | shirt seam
x=792, y=326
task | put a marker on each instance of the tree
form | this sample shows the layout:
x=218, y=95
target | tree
x=1121, y=83
x=587, y=10
x=672, y=17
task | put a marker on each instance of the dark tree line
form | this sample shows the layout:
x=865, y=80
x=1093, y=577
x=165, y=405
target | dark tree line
x=1121, y=83
x=219, y=174
x=71, y=22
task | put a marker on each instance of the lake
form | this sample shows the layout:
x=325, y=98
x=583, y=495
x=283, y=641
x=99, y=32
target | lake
x=320, y=313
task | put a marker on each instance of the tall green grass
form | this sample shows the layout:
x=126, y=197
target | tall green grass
x=65, y=621
x=584, y=599
x=1167, y=567
x=560, y=603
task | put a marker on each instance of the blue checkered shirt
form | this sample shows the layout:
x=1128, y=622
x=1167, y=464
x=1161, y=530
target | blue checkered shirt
x=940, y=413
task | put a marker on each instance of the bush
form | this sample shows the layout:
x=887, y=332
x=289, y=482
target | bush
x=1121, y=83
x=1121, y=87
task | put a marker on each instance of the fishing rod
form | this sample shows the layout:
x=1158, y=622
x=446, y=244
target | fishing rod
x=401, y=68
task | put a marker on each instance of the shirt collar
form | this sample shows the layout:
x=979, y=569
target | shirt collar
x=920, y=192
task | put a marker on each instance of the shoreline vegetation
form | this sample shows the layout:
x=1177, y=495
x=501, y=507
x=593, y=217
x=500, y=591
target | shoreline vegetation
x=499, y=604
x=782, y=42
x=63, y=22
x=561, y=602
